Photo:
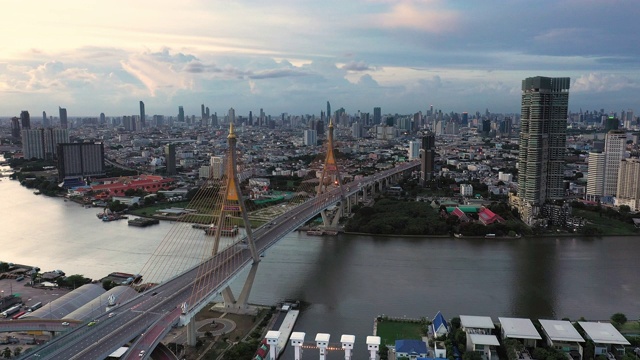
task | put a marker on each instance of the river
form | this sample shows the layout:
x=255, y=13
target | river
x=347, y=279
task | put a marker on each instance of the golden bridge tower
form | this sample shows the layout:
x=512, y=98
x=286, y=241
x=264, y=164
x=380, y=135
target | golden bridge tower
x=330, y=179
x=232, y=211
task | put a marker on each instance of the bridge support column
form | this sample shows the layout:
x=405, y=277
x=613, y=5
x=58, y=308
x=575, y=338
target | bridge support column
x=241, y=305
x=191, y=332
x=330, y=223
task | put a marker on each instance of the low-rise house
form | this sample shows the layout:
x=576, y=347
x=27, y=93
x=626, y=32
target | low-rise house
x=520, y=329
x=439, y=325
x=485, y=345
x=607, y=339
x=481, y=325
x=561, y=335
x=411, y=349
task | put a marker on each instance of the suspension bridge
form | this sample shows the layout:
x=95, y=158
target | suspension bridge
x=188, y=270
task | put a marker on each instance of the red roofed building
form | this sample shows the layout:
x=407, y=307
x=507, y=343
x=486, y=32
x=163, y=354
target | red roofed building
x=488, y=217
x=460, y=214
x=118, y=186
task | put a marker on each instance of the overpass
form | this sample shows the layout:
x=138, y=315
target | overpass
x=149, y=316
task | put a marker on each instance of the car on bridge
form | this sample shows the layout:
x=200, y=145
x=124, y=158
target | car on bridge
x=65, y=324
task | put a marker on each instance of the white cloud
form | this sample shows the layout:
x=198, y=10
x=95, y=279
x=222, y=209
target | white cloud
x=599, y=82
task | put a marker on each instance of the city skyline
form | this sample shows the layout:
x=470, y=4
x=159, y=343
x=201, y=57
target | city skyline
x=285, y=56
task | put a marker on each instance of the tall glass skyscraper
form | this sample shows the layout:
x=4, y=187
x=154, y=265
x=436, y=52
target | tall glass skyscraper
x=543, y=139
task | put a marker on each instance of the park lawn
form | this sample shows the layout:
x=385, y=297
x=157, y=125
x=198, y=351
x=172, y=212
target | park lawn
x=607, y=225
x=390, y=331
x=150, y=210
x=630, y=327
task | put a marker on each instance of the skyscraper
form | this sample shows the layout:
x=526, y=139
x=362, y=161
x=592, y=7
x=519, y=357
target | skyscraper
x=232, y=116
x=170, y=158
x=63, y=117
x=180, y=114
x=427, y=158
x=143, y=119
x=15, y=127
x=328, y=112
x=542, y=143
x=614, y=146
x=377, y=115
x=25, y=120
x=45, y=120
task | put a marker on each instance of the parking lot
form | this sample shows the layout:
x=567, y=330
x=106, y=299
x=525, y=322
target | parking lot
x=29, y=294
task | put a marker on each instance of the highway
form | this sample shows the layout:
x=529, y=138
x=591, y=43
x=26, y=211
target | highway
x=160, y=304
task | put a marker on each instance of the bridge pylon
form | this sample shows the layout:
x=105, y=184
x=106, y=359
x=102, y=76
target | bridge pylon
x=229, y=216
x=329, y=179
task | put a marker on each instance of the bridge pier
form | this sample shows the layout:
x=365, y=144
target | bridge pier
x=241, y=305
x=332, y=223
x=192, y=337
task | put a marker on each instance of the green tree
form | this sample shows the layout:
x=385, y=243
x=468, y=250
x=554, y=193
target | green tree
x=17, y=351
x=471, y=355
x=383, y=352
x=618, y=319
x=6, y=353
x=108, y=284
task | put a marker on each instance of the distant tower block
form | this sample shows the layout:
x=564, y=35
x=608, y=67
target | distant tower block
x=272, y=340
x=297, y=340
x=322, y=342
x=347, y=344
x=373, y=344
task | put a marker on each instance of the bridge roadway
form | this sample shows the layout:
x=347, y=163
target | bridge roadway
x=159, y=303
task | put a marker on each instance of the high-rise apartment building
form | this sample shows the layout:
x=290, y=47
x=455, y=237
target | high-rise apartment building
x=33, y=143
x=427, y=158
x=595, y=176
x=25, y=120
x=63, y=117
x=53, y=137
x=79, y=160
x=356, y=130
x=217, y=165
x=628, y=191
x=414, y=150
x=170, y=158
x=543, y=130
x=143, y=117
x=310, y=138
x=614, y=146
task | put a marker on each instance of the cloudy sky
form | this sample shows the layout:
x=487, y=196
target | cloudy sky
x=294, y=55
